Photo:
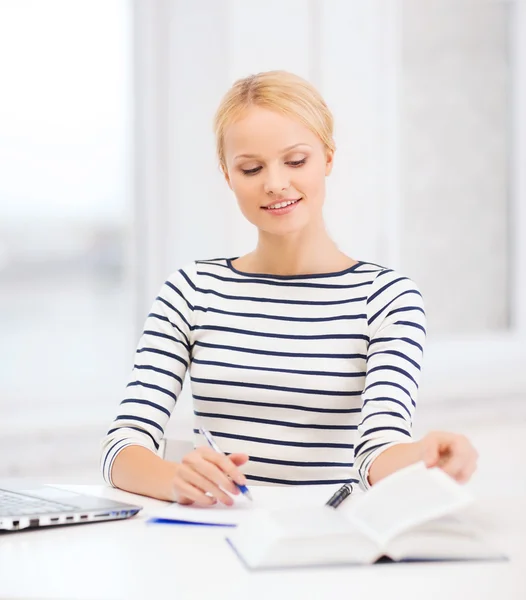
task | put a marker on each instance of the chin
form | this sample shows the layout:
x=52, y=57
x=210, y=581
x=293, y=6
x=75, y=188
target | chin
x=285, y=229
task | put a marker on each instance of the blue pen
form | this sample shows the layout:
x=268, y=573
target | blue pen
x=211, y=442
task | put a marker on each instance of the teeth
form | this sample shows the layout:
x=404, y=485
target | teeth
x=282, y=204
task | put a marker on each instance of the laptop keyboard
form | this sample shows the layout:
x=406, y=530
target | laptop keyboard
x=13, y=504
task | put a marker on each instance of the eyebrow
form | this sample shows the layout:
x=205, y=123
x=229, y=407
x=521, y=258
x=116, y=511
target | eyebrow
x=283, y=151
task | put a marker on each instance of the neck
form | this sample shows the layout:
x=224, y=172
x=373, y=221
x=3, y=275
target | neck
x=300, y=253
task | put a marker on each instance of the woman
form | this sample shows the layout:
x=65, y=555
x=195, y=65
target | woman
x=304, y=363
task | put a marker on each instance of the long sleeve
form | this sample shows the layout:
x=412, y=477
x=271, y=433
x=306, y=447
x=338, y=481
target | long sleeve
x=397, y=331
x=161, y=361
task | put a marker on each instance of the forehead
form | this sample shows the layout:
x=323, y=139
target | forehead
x=260, y=131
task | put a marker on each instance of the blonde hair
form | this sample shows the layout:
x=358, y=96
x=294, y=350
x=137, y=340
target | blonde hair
x=282, y=92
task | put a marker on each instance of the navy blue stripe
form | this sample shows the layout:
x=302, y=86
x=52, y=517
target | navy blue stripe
x=178, y=292
x=285, y=302
x=228, y=264
x=306, y=482
x=219, y=261
x=371, y=449
x=247, y=438
x=167, y=337
x=146, y=403
x=294, y=371
x=158, y=370
x=143, y=431
x=392, y=384
x=274, y=422
x=385, y=287
x=396, y=339
x=161, y=318
x=396, y=353
x=164, y=353
x=382, y=412
x=395, y=369
x=411, y=324
x=281, y=317
x=285, y=406
x=386, y=428
x=297, y=463
x=377, y=314
x=273, y=353
x=172, y=307
x=287, y=283
x=387, y=399
x=266, y=334
x=223, y=264
x=140, y=420
x=152, y=386
x=405, y=309
x=263, y=386
x=107, y=455
x=359, y=448
x=188, y=280
x=371, y=270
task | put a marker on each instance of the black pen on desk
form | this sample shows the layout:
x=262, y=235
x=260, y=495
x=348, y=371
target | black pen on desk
x=339, y=496
x=212, y=443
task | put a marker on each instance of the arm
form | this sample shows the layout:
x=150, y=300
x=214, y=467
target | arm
x=129, y=451
x=397, y=323
x=137, y=469
x=394, y=458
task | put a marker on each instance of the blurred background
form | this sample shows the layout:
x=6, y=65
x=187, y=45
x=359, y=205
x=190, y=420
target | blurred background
x=109, y=182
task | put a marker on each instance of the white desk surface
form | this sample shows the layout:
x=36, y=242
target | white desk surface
x=130, y=559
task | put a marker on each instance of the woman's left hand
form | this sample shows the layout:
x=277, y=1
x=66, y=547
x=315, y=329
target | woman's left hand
x=451, y=452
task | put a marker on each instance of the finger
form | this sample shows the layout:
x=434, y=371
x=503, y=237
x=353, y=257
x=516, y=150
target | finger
x=195, y=478
x=225, y=464
x=457, y=460
x=430, y=452
x=214, y=473
x=191, y=493
x=238, y=459
x=466, y=474
x=464, y=456
x=454, y=467
x=470, y=466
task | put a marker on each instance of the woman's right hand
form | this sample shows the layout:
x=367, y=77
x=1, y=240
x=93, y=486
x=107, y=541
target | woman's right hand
x=204, y=476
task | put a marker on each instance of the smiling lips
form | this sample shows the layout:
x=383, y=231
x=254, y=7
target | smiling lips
x=281, y=204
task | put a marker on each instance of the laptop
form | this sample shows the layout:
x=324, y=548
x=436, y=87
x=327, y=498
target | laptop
x=24, y=506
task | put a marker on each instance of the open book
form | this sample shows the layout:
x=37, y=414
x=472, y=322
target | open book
x=414, y=514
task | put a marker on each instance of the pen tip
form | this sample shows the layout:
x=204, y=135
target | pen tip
x=249, y=496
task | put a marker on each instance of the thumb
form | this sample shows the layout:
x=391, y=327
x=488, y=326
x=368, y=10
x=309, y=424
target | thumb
x=430, y=453
x=238, y=459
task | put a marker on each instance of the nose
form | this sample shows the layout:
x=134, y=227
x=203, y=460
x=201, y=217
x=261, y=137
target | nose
x=276, y=182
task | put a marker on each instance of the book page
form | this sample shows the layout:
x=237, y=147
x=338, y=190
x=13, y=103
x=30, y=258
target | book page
x=445, y=538
x=407, y=498
x=301, y=536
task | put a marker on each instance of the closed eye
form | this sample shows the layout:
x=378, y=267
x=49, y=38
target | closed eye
x=293, y=163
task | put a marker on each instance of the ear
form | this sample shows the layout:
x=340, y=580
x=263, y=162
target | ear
x=329, y=162
x=227, y=177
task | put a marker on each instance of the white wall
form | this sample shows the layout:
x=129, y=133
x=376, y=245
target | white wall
x=352, y=50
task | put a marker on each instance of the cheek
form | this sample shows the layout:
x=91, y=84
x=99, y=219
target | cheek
x=311, y=181
x=242, y=187
x=246, y=193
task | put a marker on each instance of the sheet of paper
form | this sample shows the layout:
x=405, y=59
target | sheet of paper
x=265, y=498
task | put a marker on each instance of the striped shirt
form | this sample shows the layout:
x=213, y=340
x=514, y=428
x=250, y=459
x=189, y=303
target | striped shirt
x=312, y=376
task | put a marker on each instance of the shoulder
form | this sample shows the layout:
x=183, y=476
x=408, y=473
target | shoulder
x=188, y=274
x=389, y=283
x=390, y=287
